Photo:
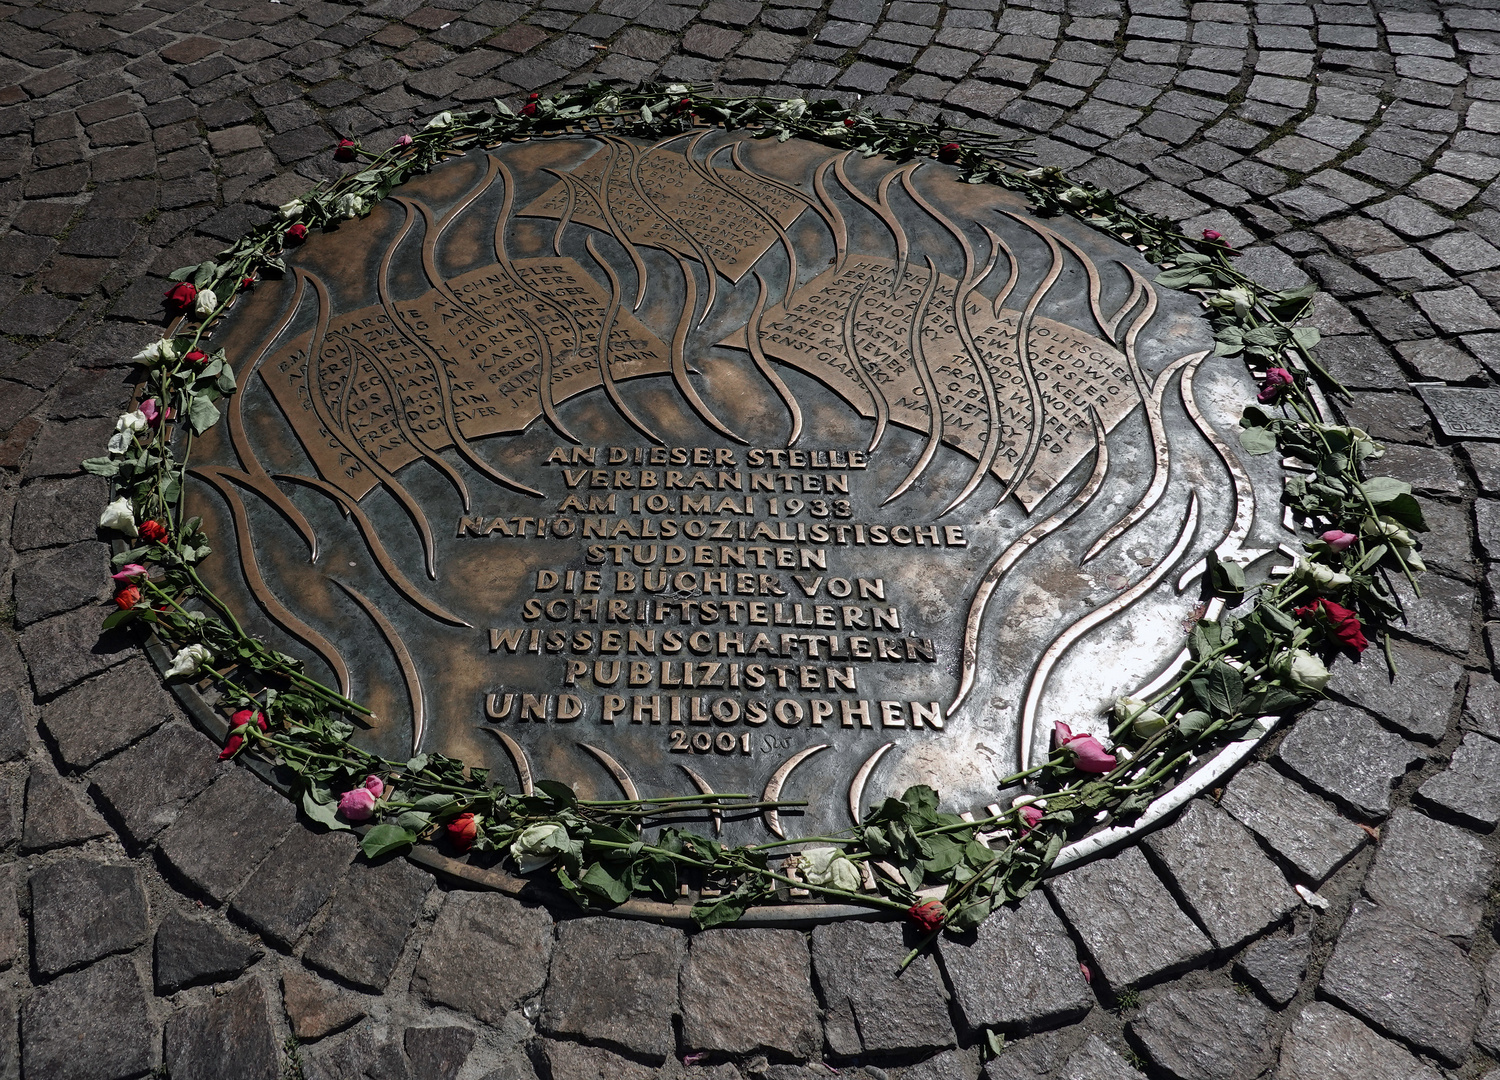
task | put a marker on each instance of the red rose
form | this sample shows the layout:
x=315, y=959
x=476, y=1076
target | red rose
x=237, y=740
x=344, y=151
x=1342, y=623
x=848, y=121
x=181, y=296
x=927, y=917
x=247, y=282
x=1212, y=234
x=296, y=234
x=154, y=531
x=949, y=152
x=1277, y=381
x=197, y=356
x=462, y=830
x=128, y=597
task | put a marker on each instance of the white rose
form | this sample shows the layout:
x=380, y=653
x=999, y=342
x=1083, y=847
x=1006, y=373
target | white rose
x=1320, y=576
x=188, y=661
x=292, y=209
x=125, y=428
x=609, y=103
x=349, y=206
x=1239, y=299
x=119, y=516
x=678, y=90
x=160, y=349
x=1144, y=720
x=206, y=304
x=827, y=867
x=538, y=845
x=1306, y=670
x=792, y=109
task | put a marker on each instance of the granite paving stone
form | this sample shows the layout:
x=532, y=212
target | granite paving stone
x=1405, y=981
x=1019, y=972
x=53, y=512
x=1209, y=1034
x=364, y=952
x=145, y=787
x=570, y=1061
x=1487, y=1037
x=61, y=581
x=316, y=1008
x=56, y=816
x=1326, y=1043
x=868, y=1011
x=1276, y=965
x=1097, y=1060
x=634, y=1009
x=224, y=833
x=228, y=1039
x=1233, y=890
x=1468, y=786
x=1418, y=699
x=88, y=1025
x=91, y=721
x=83, y=910
x=1127, y=920
x=1442, y=615
x=486, y=954
x=749, y=990
x=1464, y=412
x=189, y=952
x=1435, y=875
x=12, y=933
x=1345, y=754
x=438, y=1052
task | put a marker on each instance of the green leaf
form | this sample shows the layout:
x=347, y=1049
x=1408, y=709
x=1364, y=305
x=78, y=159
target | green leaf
x=1185, y=277
x=182, y=273
x=604, y=885
x=416, y=764
x=558, y=791
x=1257, y=440
x=385, y=839
x=202, y=413
x=1383, y=489
x=324, y=813
x=413, y=820
x=1306, y=336
x=115, y=618
x=1406, y=510
x=102, y=466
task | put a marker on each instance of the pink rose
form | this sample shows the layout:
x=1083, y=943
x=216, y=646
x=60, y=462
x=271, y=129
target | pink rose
x=375, y=786
x=405, y=140
x=1032, y=816
x=1337, y=539
x=129, y=573
x=153, y=413
x=1277, y=381
x=1089, y=754
x=357, y=805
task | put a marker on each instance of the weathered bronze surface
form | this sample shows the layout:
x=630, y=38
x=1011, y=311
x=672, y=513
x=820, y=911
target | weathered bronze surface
x=619, y=464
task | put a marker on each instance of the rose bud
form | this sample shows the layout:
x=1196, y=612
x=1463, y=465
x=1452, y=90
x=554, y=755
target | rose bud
x=247, y=282
x=1212, y=234
x=1089, y=753
x=404, y=140
x=129, y=573
x=180, y=297
x=462, y=830
x=344, y=151
x=357, y=805
x=949, y=152
x=237, y=739
x=375, y=785
x=296, y=234
x=128, y=597
x=1032, y=816
x=154, y=531
x=848, y=121
x=197, y=356
x=928, y=916
x=1338, y=539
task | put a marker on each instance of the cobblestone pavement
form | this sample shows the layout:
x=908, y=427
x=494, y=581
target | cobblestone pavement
x=161, y=912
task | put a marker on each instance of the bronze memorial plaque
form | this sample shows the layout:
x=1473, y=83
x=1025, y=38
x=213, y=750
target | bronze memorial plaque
x=728, y=465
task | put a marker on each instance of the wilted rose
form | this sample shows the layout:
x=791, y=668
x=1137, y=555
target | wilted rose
x=153, y=414
x=1276, y=383
x=538, y=845
x=1305, y=670
x=188, y=661
x=1144, y=720
x=128, y=597
x=206, y=304
x=358, y=805
x=120, y=517
x=927, y=916
x=180, y=297
x=949, y=152
x=344, y=151
x=1089, y=754
x=1338, y=539
x=197, y=356
x=827, y=868
x=462, y=830
x=296, y=234
x=129, y=573
x=1341, y=622
x=154, y=531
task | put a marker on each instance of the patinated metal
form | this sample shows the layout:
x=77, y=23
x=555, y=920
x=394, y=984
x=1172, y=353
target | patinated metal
x=725, y=465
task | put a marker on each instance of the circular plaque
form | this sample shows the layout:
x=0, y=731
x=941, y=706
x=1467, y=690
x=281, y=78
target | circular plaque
x=725, y=465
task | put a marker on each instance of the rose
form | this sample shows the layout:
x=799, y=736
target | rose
x=237, y=730
x=376, y=785
x=296, y=234
x=1031, y=815
x=128, y=597
x=848, y=121
x=949, y=152
x=538, y=845
x=1239, y=299
x=126, y=428
x=349, y=206
x=826, y=867
x=344, y=151
x=1278, y=380
x=1074, y=198
x=206, y=304
x=792, y=108
x=462, y=830
x=530, y=108
x=1341, y=622
x=180, y=297
x=928, y=916
x=120, y=517
x=1144, y=720
x=247, y=282
x=358, y=805
x=129, y=573
x=292, y=209
x=1337, y=539
x=1212, y=234
x=159, y=351
x=1319, y=576
x=1305, y=670
x=404, y=140
x=1089, y=754
x=154, y=531
x=188, y=661
x=154, y=415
